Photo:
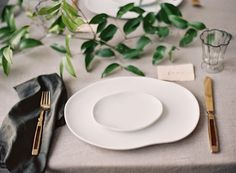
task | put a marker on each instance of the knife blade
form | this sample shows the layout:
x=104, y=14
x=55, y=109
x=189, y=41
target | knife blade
x=209, y=100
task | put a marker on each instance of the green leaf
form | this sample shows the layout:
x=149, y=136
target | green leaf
x=138, y=10
x=17, y=35
x=100, y=18
x=67, y=42
x=89, y=43
x=142, y=42
x=57, y=26
x=197, y=25
x=4, y=31
x=122, y=48
x=68, y=65
x=108, y=33
x=170, y=9
x=29, y=43
x=58, y=48
x=127, y=52
x=163, y=31
x=69, y=24
x=6, y=66
x=7, y=54
x=70, y=9
x=131, y=25
x=170, y=53
x=101, y=26
x=132, y=54
x=188, y=37
x=71, y=20
x=148, y=22
x=49, y=9
x=106, y=52
x=166, y=10
x=61, y=69
x=124, y=9
x=134, y=70
x=110, y=69
x=178, y=22
x=6, y=37
x=89, y=46
x=163, y=17
x=88, y=60
x=158, y=54
x=150, y=18
x=79, y=21
x=148, y=28
x=5, y=11
x=10, y=19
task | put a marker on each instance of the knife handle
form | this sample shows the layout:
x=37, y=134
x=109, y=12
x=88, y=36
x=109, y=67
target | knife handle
x=213, y=136
x=38, y=134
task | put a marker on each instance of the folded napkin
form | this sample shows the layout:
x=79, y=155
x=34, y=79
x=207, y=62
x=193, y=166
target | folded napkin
x=18, y=127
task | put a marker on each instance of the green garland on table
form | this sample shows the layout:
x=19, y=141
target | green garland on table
x=66, y=17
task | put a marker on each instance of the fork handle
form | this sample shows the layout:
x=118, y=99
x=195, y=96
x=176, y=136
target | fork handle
x=38, y=134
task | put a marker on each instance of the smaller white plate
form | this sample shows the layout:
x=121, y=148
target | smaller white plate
x=127, y=111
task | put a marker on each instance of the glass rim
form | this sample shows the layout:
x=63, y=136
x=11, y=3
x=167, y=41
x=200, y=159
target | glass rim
x=219, y=45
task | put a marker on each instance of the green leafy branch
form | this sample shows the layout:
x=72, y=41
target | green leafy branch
x=65, y=17
x=13, y=39
x=66, y=61
x=154, y=25
x=63, y=14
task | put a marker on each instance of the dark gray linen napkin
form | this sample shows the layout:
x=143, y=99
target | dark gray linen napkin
x=18, y=127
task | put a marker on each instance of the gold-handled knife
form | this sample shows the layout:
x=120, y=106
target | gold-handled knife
x=212, y=130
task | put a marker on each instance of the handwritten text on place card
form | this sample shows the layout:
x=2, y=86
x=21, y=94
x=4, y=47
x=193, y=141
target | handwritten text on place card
x=183, y=72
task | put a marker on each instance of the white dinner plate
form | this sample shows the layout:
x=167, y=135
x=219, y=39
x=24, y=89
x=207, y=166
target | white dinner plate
x=111, y=7
x=179, y=118
x=127, y=111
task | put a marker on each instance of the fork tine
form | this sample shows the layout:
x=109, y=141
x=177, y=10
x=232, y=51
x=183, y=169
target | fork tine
x=41, y=100
x=44, y=97
x=49, y=98
x=46, y=102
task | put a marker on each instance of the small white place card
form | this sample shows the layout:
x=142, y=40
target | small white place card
x=182, y=72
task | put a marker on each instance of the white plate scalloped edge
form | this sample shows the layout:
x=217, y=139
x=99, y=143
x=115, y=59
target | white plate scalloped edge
x=132, y=145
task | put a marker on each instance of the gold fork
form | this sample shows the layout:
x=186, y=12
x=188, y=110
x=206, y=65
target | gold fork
x=44, y=105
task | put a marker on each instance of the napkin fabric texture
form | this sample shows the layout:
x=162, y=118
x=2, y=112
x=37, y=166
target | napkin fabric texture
x=18, y=127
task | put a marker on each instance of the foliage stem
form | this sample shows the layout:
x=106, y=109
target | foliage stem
x=84, y=16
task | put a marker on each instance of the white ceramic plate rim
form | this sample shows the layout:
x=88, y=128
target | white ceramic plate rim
x=111, y=7
x=132, y=146
x=135, y=127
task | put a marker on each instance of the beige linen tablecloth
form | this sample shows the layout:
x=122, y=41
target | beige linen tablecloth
x=191, y=154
